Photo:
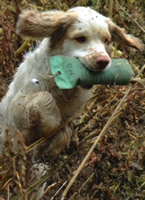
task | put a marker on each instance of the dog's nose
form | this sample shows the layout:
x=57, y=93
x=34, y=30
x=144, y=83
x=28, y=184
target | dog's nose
x=102, y=62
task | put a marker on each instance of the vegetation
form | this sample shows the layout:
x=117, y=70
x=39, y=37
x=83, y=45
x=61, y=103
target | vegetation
x=114, y=168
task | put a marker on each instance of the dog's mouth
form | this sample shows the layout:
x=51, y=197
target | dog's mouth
x=101, y=64
x=101, y=67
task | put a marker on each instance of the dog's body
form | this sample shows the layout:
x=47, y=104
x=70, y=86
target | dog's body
x=38, y=109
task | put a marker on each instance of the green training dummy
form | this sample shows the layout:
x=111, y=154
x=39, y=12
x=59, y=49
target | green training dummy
x=69, y=72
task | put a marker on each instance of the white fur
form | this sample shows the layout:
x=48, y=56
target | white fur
x=33, y=103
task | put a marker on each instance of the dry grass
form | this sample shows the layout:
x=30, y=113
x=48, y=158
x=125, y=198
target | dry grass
x=115, y=169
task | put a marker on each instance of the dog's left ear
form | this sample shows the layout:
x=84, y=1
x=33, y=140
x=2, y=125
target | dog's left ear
x=38, y=25
x=118, y=34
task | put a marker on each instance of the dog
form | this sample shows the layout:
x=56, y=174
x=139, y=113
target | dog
x=36, y=110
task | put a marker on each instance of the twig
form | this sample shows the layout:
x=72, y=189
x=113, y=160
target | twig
x=132, y=136
x=98, y=5
x=49, y=188
x=31, y=5
x=22, y=47
x=110, y=8
x=111, y=119
x=6, y=184
x=8, y=192
x=141, y=71
x=83, y=185
x=58, y=190
x=87, y=181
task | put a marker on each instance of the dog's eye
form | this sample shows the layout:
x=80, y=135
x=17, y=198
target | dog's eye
x=81, y=39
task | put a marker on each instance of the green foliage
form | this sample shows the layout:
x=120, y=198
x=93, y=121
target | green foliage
x=131, y=1
x=93, y=2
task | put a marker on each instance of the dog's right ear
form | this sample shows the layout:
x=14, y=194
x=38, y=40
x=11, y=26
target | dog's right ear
x=118, y=34
x=35, y=24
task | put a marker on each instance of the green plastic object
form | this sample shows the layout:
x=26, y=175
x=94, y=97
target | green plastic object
x=69, y=72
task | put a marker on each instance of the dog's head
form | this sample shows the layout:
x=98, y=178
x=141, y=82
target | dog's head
x=80, y=32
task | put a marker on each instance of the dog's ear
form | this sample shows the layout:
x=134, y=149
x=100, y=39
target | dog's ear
x=118, y=34
x=35, y=24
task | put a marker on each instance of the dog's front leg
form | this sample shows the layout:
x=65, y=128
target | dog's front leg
x=35, y=115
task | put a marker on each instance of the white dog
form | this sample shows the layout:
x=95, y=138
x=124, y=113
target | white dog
x=37, y=110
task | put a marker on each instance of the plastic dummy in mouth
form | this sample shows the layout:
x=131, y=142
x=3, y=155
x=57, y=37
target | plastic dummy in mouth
x=69, y=72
